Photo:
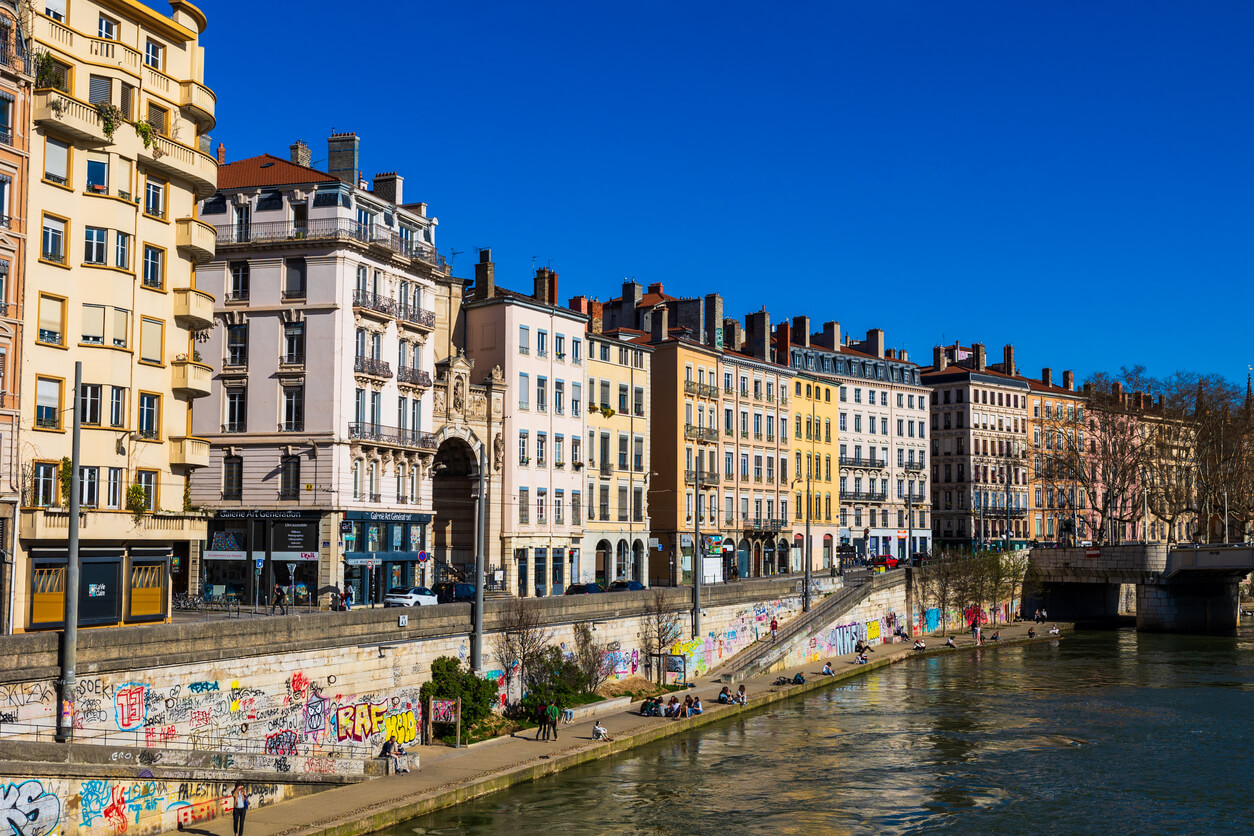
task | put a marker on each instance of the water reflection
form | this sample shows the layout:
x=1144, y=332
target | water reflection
x=1102, y=732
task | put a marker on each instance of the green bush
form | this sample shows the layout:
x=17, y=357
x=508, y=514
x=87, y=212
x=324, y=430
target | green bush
x=450, y=681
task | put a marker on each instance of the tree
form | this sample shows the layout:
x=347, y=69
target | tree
x=591, y=657
x=938, y=582
x=1016, y=572
x=659, y=627
x=522, y=639
x=449, y=681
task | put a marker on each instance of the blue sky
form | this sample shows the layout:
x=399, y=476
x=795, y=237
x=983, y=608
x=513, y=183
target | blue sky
x=1072, y=177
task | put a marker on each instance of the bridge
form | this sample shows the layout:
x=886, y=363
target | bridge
x=1184, y=589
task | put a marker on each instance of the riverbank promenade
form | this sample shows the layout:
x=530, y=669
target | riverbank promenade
x=449, y=776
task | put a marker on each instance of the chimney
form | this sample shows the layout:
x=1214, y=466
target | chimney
x=1047, y=377
x=981, y=359
x=831, y=336
x=714, y=320
x=1008, y=360
x=596, y=316
x=344, y=158
x=733, y=334
x=553, y=288
x=939, y=361
x=545, y=288
x=221, y=154
x=903, y=356
x=758, y=334
x=801, y=330
x=890, y=354
x=656, y=287
x=387, y=186
x=783, y=344
x=632, y=293
x=875, y=342
x=1088, y=389
x=300, y=153
x=578, y=304
x=661, y=322
x=485, y=276
x=1117, y=391
x=1068, y=380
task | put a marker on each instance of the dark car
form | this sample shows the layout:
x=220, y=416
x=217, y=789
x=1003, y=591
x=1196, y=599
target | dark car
x=583, y=588
x=450, y=593
x=919, y=558
x=626, y=586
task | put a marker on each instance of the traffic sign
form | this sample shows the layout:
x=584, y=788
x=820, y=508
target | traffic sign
x=422, y=557
x=260, y=561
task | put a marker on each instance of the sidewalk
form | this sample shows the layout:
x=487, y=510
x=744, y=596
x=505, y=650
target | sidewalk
x=449, y=776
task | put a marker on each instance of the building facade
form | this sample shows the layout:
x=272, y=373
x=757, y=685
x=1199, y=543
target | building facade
x=118, y=145
x=320, y=420
x=616, y=449
x=1058, y=500
x=816, y=468
x=979, y=449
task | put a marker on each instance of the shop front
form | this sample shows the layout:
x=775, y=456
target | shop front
x=384, y=550
x=116, y=585
x=252, y=551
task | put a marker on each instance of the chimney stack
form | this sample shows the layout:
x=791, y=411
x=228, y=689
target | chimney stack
x=713, y=323
x=221, y=154
x=300, y=153
x=1047, y=377
x=831, y=336
x=660, y=321
x=783, y=343
x=758, y=334
x=981, y=359
x=485, y=276
x=733, y=334
x=1008, y=360
x=875, y=342
x=1068, y=380
x=801, y=330
x=387, y=186
x=545, y=288
x=939, y=360
x=344, y=158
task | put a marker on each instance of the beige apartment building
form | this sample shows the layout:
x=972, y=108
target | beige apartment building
x=120, y=119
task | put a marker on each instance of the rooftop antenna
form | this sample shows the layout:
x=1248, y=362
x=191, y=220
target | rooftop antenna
x=452, y=258
x=533, y=264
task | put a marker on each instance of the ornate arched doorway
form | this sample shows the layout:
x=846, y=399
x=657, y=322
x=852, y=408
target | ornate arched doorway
x=757, y=559
x=622, y=564
x=605, y=554
x=637, y=561
x=454, y=476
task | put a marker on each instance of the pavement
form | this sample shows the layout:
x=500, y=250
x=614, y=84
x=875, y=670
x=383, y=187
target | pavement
x=449, y=776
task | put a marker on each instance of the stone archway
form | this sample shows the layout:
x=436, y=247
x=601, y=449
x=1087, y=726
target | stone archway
x=757, y=559
x=622, y=566
x=605, y=554
x=782, y=555
x=742, y=558
x=637, y=561
x=454, y=474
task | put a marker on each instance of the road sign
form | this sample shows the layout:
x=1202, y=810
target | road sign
x=260, y=561
x=422, y=557
x=369, y=564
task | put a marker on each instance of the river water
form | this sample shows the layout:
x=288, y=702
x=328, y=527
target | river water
x=1103, y=732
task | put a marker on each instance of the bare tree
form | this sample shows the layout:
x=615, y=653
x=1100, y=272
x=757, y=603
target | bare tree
x=938, y=582
x=523, y=637
x=659, y=627
x=1016, y=564
x=591, y=656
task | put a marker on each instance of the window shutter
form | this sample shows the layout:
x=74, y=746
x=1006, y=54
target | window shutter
x=55, y=156
x=99, y=89
x=47, y=394
x=50, y=314
x=150, y=341
x=127, y=98
x=93, y=323
x=55, y=8
x=120, y=324
x=156, y=118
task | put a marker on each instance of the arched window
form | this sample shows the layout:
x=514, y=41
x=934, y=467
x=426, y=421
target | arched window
x=356, y=480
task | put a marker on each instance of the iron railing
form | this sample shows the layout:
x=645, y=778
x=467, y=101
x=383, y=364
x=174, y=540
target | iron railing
x=371, y=366
x=322, y=229
x=417, y=377
x=398, y=436
x=858, y=461
x=863, y=496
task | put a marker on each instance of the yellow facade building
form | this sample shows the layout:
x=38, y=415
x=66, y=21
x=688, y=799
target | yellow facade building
x=816, y=468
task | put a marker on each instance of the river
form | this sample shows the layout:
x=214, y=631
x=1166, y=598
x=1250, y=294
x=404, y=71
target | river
x=1103, y=732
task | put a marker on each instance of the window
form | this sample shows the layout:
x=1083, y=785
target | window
x=57, y=161
x=55, y=9
x=117, y=406
x=559, y=396
x=149, y=415
x=107, y=28
x=524, y=390
x=576, y=351
x=237, y=344
x=54, y=240
x=48, y=403
x=524, y=506
x=542, y=343
x=151, y=340
x=542, y=394
x=122, y=251
x=154, y=55
x=541, y=448
x=232, y=477
x=294, y=278
x=93, y=325
x=44, y=483
x=294, y=342
x=51, y=320
x=236, y=410
x=154, y=198
x=97, y=174
x=113, y=488
x=576, y=399
x=522, y=448
x=293, y=409
x=94, y=245
x=147, y=479
x=289, y=477
x=559, y=346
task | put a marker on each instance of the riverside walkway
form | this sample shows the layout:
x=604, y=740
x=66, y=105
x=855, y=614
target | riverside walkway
x=449, y=776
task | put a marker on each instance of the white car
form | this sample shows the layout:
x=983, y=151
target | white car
x=409, y=596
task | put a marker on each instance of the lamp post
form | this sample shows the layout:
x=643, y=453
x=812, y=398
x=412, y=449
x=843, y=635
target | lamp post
x=696, y=558
x=479, y=492
x=69, y=635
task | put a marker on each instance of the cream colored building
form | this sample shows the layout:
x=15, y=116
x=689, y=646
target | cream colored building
x=120, y=115
x=616, y=532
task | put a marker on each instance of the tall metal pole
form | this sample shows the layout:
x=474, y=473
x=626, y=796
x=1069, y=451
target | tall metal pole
x=481, y=510
x=1007, y=509
x=696, y=562
x=69, y=635
x=1225, y=518
x=909, y=527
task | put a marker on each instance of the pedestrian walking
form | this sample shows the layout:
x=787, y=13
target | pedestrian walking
x=280, y=600
x=239, y=810
x=774, y=629
x=542, y=722
x=348, y=598
x=552, y=713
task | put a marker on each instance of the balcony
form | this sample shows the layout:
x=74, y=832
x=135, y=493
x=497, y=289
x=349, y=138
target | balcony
x=186, y=164
x=191, y=379
x=416, y=317
x=372, y=368
x=914, y=467
x=392, y=436
x=865, y=464
x=695, y=433
x=328, y=229
x=763, y=524
x=193, y=309
x=606, y=468
x=196, y=240
x=690, y=387
x=707, y=390
x=863, y=496
x=67, y=115
x=53, y=524
x=406, y=375
x=189, y=452
x=364, y=300
x=701, y=477
x=199, y=103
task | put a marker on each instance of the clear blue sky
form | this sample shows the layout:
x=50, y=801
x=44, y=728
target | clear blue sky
x=1072, y=177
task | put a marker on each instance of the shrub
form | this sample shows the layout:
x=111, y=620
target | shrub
x=450, y=681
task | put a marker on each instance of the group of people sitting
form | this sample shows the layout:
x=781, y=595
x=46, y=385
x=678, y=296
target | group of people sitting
x=657, y=707
x=725, y=696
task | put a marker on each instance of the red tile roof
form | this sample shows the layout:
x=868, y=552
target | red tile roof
x=268, y=170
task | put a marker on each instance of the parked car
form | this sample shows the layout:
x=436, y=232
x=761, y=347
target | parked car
x=885, y=560
x=583, y=588
x=919, y=558
x=410, y=596
x=626, y=586
x=451, y=593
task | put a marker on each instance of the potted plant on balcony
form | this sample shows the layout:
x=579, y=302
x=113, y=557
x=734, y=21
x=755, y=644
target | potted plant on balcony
x=110, y=117
x=66, y=477
x=137, y=501
x=607, y=411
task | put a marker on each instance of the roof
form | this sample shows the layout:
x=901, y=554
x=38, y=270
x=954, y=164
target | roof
x=956, y=369
x=1040, y=386
x=268, y=170
x=853, y=352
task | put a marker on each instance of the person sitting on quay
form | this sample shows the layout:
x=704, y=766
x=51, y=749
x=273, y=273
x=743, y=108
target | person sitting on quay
x=647, y=707
x=742, y=696
x=862, y=647
x=600, y=733
x=919, y=646
x=1031, y=632
x=861, y=658
x=827, y=670
x=951, y=642
x=393, y=750
x=1053, y=631
x=725, y=696
x=996, y=637
x=696, y=706
x=672, y=708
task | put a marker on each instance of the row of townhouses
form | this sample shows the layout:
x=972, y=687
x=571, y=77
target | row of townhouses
x=283, y=383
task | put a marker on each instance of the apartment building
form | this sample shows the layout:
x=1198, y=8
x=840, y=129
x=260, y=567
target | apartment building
x=755, y=449
x=979, y=417
x=15, y=88
x=816, y=468
x=540, y=348
x=882, y=427
x=119, y=117
x=1058, y=501
x=616, y=531
x=320, y=417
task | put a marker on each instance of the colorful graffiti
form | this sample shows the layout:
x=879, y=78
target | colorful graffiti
x=359, y=722
x=29, y=810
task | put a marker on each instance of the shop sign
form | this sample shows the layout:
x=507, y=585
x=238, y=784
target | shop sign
x=387, y=516
x=222, y=554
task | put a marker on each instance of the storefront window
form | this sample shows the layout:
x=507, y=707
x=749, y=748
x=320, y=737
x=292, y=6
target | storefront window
x=541, y=571
x=398, y=537
x=374, y=537
x=415, y=537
